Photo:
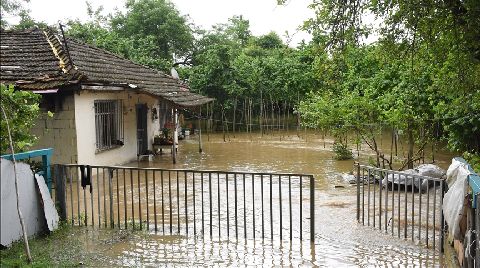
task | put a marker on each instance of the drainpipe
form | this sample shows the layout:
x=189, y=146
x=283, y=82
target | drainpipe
x=175, y=135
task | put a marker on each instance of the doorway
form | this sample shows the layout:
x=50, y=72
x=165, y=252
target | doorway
x=142, y=137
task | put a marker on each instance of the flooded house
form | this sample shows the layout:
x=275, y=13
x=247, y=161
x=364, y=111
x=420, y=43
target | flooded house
x=106, y=109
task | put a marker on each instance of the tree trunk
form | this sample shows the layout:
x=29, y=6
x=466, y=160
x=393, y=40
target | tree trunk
x=377, y=153
x=410, y=146
x=223, y=124
x=273, y=114
x=260, y=122
x=234, y=113
x=391, y=146
x=288, y=116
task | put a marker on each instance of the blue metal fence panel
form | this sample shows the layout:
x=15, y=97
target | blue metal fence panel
x=46, y=155
x=473, y=181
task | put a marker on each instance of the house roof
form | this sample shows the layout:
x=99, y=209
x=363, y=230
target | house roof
x=36, y=59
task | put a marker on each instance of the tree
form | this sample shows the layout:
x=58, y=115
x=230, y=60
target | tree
x=21, y=107
x=10, y=7
x=427, y=81
x=150, y=32
x=157, y=22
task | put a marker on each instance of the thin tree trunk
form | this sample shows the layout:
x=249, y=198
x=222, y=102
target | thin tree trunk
x=245, y=111
x=396, y=142
x=261, y=113
x=279, y=116
x=288, y=117
x=273, y=115
x=250, y=116
x=391, y=146
x=323, y=137
x=223, y=124
x=19, y=212
x=358, y=145
x=234, y=113
x=410, y=146
x=208, y=123
x=376, y=151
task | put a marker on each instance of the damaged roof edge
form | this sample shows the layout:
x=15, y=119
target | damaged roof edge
x=86, y=67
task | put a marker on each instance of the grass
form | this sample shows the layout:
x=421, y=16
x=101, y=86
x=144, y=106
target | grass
x=61, y=248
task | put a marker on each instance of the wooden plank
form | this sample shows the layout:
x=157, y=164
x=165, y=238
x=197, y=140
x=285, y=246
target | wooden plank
x=49, y=209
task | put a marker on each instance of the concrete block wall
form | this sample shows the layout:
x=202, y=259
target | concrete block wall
x=58, y=132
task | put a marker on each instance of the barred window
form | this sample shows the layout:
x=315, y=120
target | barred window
x=108, y=124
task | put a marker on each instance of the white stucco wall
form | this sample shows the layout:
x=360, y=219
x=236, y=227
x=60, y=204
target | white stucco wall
x=58, y=132
x=85, y=127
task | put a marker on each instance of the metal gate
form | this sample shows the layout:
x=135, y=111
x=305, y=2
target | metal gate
x=188, y=202
x=405, y=205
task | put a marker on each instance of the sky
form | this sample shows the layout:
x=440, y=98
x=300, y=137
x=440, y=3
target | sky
x=264, y=15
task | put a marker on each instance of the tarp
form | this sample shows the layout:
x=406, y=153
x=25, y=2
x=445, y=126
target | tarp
x=32, y=205
x=427, y=170
x=453, y=201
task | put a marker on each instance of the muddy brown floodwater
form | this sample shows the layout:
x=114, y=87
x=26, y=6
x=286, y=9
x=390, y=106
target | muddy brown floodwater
x=340, y=240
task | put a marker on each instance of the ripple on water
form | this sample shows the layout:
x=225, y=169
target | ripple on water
x=340, y=242
x=154, y=250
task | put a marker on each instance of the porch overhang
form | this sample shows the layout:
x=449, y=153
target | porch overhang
x=182, y=98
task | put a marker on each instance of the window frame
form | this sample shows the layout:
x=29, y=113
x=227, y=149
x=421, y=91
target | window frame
x=109, y=126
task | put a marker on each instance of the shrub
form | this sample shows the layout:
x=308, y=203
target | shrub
x=21, y=108
x=474, y=161
x=341, y=151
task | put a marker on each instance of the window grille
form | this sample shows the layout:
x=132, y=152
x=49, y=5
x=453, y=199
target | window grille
x=108, y=124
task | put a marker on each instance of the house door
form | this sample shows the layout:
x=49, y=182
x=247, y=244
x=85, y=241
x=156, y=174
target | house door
x=142, y=137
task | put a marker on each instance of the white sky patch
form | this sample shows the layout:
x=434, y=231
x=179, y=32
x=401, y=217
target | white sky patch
x=264, y=15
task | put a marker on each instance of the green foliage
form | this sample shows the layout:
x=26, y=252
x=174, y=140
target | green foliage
x=229, y=63
x=10, y=7
x=473, y=160
x=423, y=72
x=150, y=32
x=27, y=22
x=21, y=108
x=157, y=21
x=342, y=152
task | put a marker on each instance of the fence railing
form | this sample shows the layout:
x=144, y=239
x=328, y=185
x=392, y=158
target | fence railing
x=473, y=218
x=405, y=205
x=188, y=202
x=45, y=154
x=473, y=225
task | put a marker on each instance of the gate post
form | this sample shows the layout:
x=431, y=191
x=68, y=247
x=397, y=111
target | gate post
x=60, y=199
x=442, y=219
x=110, y=194
x=477, y=230
x=312, y=209
x=358, y=190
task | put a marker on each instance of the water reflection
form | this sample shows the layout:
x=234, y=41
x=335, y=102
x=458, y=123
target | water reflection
x=340, y=240
x=150, y=250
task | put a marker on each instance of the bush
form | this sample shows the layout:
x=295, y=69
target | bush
x=342, y=152
x=473, y=160
x=22, y=109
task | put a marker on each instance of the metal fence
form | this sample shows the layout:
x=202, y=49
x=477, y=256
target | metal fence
x=472, y=245
x=188, y=202
x=405, y=205
x=476, y=212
